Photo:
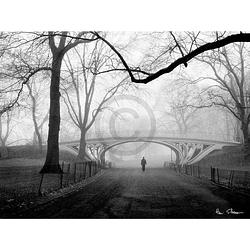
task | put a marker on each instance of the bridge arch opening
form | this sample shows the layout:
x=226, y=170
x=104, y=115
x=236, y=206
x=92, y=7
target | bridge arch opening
x=156, y=152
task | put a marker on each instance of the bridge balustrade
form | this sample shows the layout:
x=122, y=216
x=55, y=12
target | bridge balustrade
x=209, y=135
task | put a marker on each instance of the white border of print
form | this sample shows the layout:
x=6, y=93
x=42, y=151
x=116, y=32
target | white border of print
x=124, y=15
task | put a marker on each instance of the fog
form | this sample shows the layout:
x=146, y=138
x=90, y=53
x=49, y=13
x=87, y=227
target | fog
x=129, y=155
x=177, y=105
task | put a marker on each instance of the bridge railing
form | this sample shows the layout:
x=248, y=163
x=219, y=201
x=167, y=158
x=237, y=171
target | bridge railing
x=231, y=178
x=208, y=135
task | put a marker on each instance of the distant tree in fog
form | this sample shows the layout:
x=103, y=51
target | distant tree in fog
x=21, y=60
x=5, y=131
x=21, y=66
x=176, y=111
x=39, y=112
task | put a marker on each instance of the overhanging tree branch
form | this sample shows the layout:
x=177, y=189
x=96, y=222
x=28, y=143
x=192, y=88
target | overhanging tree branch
x=24, y=82
x=241, y=37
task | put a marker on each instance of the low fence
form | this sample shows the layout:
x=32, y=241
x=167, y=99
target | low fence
x=238, y=179
x=24, y=182
x=71, y=174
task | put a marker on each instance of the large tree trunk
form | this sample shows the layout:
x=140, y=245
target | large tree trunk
x=52, y=158
x=4, y=153
x=238, y=132
x=82, y=154
x=246, y=141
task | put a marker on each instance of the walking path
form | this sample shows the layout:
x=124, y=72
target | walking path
x=155, y=193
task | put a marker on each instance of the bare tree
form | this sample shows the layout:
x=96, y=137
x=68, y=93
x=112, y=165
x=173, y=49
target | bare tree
x=37, y=94
x=81, y=85
x=18, y=64
x=20, y=69
x=65, y=42
x=231, y=89
x=177, y=107
x=59, y=44
x=5, y=131
x=182, y=113
x=181, y=49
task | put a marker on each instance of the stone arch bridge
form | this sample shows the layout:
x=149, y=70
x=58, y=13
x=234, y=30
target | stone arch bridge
x=187, y=150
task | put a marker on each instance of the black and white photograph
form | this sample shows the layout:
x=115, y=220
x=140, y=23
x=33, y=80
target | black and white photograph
x=83, y=135
x=106, y=125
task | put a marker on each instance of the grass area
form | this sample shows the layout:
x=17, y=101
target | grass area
x=228, y=157
x=32, y=152
x=20, y=178
x=19, y=181
x=21, y=162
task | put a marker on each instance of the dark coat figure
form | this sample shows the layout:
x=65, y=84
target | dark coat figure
x=143, y=163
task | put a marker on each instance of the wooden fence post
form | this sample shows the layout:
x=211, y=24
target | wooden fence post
x=75, y=173
x=212, y=174
x=84, y=170
x=68, y=172
x=218, y=176
x=61, y=176
x=95, y=167
x=245, y=178
x=80, y=170
x=40, y=186
x=61, y=180
x=230, y=178
x=62, y=165
x=98, y=166
x=90, y=163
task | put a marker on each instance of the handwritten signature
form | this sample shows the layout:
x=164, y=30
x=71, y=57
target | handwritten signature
x=228, y=211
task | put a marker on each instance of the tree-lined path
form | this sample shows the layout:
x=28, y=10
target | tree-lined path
x=155, y=193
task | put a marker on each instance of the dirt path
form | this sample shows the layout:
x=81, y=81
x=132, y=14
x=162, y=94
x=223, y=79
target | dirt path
x=156, y=193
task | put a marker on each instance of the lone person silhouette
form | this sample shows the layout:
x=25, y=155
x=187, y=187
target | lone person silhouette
x=143, y=163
